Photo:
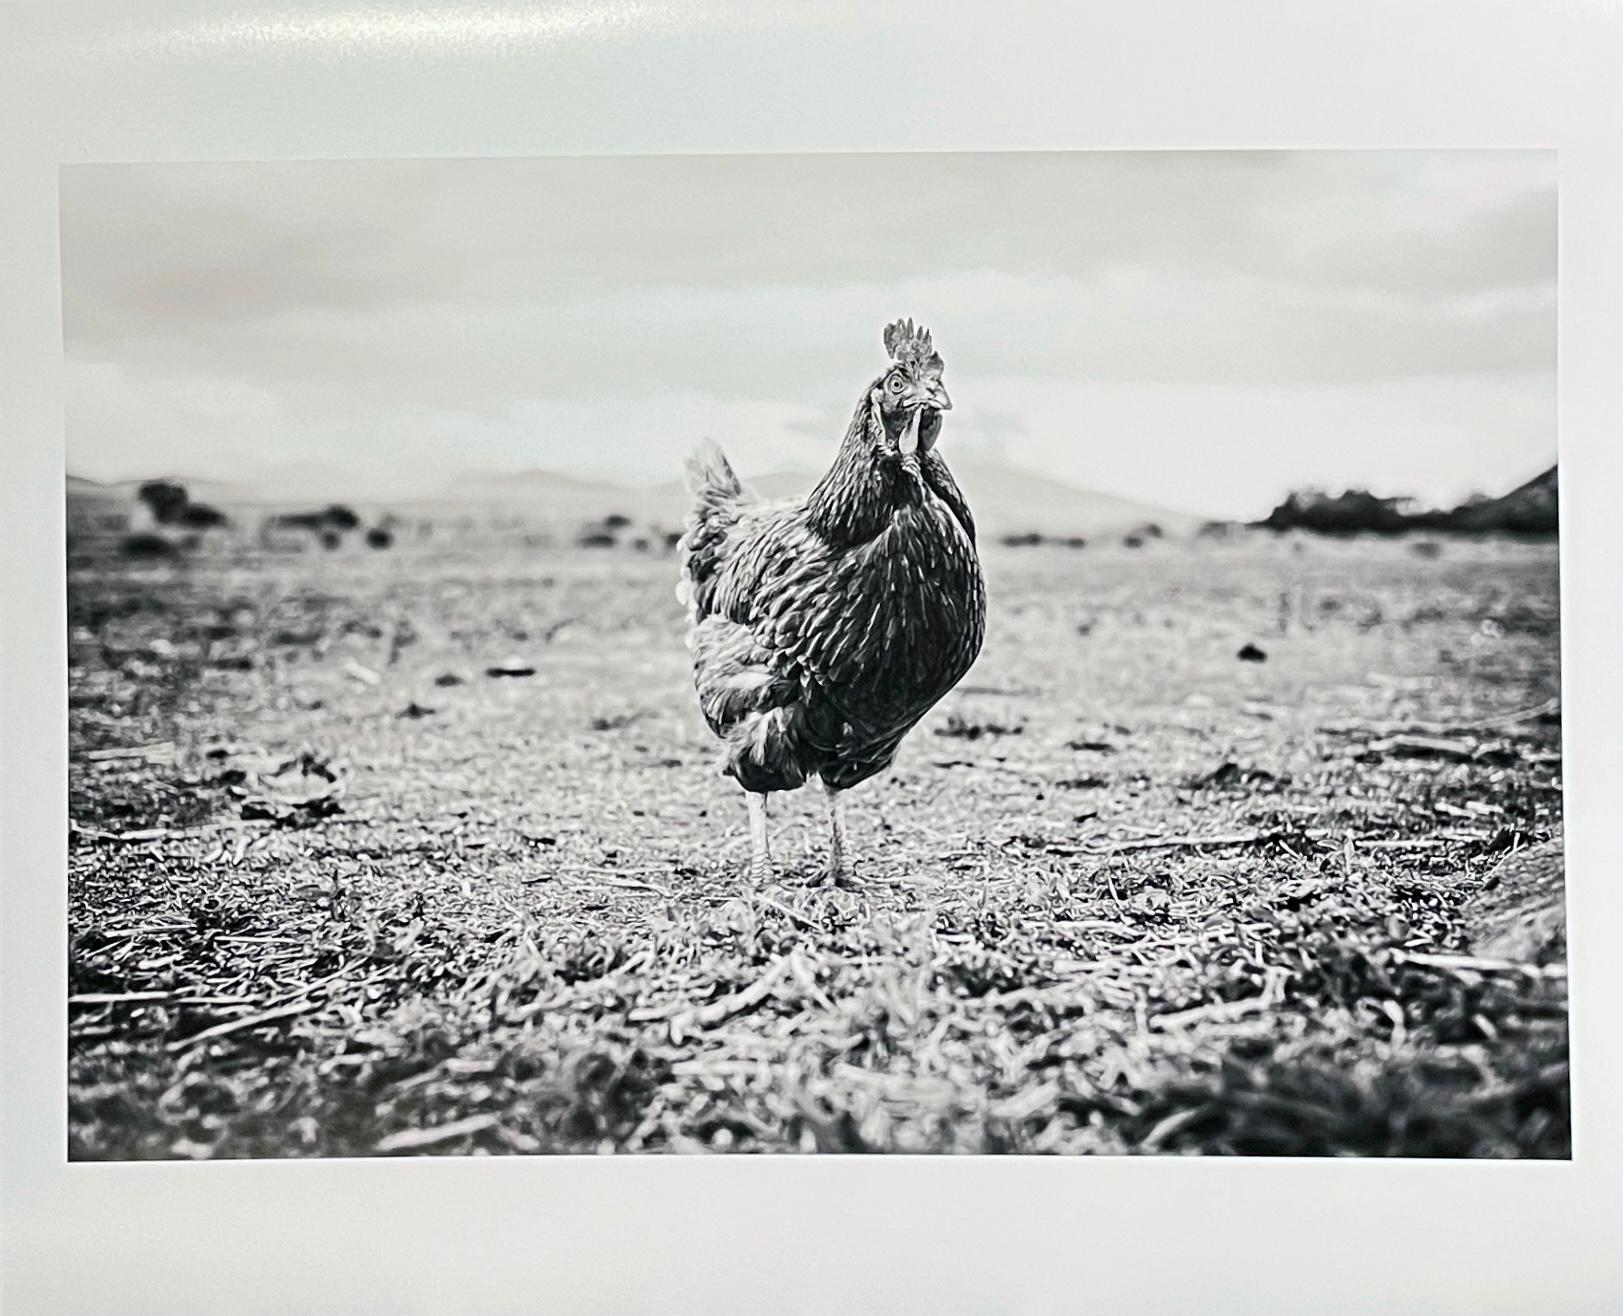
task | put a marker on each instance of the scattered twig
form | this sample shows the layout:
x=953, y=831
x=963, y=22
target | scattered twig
x=134, y=837
x=1480, y=964
x=144, y=930
x=142, y=835
x=1551, y=705
x=237, y=1025
x=1023, y=1105
x=719, y=1011
x=1417, y=843
x=299, y=993
x=799, y=920
x=160, y=749
x=1219, y=1012
x=1195, y=842
x=1097, y=925
x=635, y=884
x=1424, y=728
x=154, y=998
x=412, y=1139
x=624, y=879
x=1165, y=1128
x=359, y=672
x=1430, y=746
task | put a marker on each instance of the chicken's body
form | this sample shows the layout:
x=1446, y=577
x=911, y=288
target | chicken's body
x=824, y=629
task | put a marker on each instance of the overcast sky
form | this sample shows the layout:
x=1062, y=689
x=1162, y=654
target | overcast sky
x=1202, y=330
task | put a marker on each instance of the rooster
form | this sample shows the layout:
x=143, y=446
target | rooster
x=824, y=628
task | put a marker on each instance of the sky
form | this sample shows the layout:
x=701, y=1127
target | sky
x=1203, y=331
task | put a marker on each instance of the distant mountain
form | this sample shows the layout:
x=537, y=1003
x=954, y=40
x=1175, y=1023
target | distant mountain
x=1005, y=499
x=230, y=493
x=79, y=487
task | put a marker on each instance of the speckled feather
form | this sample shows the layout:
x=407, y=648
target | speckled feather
x=823, y=629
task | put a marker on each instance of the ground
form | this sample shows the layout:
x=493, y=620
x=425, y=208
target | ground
x=424, y=850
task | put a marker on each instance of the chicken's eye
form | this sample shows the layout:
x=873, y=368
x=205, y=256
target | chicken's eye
x=894, y=384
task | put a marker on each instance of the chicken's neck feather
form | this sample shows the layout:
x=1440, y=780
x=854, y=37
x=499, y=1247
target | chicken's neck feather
x=939, y=478
x=865, y=486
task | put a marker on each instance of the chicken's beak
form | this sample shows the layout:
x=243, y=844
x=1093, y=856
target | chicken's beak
x=931, y=395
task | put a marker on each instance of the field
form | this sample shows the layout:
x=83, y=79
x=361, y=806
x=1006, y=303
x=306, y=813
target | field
x=424, y=850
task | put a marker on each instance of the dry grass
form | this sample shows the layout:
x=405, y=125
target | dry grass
x=337, y=889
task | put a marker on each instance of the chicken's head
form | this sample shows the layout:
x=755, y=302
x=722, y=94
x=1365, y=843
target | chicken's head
x=908, y=398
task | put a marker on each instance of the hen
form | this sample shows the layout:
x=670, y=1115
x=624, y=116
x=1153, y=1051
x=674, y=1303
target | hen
x=824, y=628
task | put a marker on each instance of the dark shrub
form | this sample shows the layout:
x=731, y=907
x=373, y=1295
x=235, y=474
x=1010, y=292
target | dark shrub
x=200, y=516
x=1347, y=513
x=166, y=499
x=148, y=546
x=1530, y=509
x=337, y=518
x=378, y=537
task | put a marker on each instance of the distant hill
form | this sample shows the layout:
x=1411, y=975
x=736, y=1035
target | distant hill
x=1533, y=508
x=227, y=492
x=1005, y=499
x=79, y=487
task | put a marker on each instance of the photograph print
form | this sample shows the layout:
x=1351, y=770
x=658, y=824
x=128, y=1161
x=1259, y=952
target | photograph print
x=1034, y=652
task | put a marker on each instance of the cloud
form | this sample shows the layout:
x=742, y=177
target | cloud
x=243, y=306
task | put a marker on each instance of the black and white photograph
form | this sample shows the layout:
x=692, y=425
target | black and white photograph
x=704, y=657
x=1025, y=652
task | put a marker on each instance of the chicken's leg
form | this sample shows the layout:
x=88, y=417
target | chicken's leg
x=760, y=849
x=838, y=871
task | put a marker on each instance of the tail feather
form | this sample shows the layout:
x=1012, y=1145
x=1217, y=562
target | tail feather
x=710, y=476
x=718, y=500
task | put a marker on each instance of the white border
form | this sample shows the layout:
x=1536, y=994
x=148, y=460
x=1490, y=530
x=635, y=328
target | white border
x=139, y=82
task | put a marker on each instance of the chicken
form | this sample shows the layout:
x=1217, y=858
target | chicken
x=823, y=629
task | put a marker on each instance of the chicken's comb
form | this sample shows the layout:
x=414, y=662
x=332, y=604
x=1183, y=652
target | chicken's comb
x=912, y=347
